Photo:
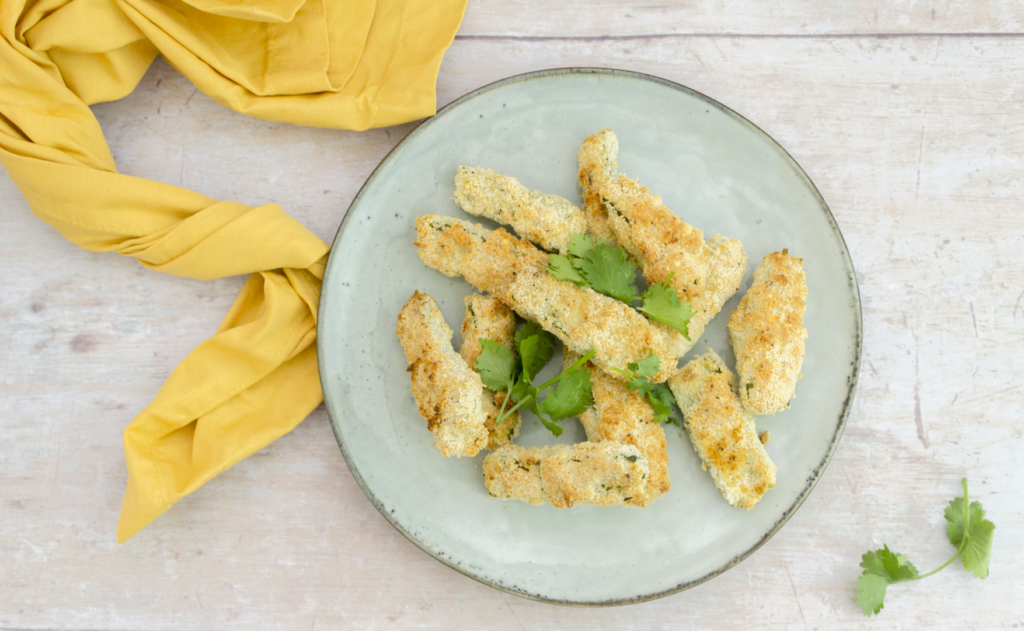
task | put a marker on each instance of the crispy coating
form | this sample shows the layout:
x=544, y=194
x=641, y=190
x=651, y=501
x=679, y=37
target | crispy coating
x=602, y=474
x=721, y=431
x=448, y=392
x=514, y=271
x=598, y=164
x=626, y=417
x=706, y=274
x=488, y=318
x=767, y=334
x=547, y=220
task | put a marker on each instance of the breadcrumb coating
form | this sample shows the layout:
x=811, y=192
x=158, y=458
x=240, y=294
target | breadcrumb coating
x=486, y=317
x=514, y=271
x=706, y=274
x=598, y=164
x=449, y=394
x=767, y=334
x=622, y=416
x=721, y=431
x=603, y=474
x=547, y=220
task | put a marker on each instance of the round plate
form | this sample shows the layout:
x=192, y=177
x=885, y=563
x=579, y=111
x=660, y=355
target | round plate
x=713, y=168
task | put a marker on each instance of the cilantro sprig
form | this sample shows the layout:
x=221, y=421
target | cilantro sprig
x=607, y=269
x=658, y=395
x=968, y=530
x=500, y=371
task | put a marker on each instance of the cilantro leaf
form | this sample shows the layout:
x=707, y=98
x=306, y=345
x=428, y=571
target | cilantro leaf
x=570, y=397
x=562, y=269
x=495, y=365
x=871, y=593
x=881, y=568
x=609, y=272
x=662, y=400
x=968, y=530
x=535, y=351
x=661, y=303
x=978, y=548
x=646, y=367
x=529, y=329
x=658, y=395
x=580, y=245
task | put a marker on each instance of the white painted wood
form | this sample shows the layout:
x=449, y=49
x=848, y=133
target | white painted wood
x=915, y=142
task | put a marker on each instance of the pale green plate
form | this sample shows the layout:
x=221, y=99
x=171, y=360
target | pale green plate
x=712, y=167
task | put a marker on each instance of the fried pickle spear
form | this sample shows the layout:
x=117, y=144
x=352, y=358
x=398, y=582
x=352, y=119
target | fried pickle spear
x=767, y=334
x=488, y=318
x=666, y=247
x=602, y=474
x=547, y=220
x=449, y=394
x=513, y=270
x=598, y=165
x=721, y=431
x=622, y=416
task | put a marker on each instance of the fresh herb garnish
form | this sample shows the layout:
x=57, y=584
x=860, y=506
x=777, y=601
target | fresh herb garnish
x=661, y=303
x=658, y=395
x=607, y=269
x=968, y=530
x=596, y=264
x=499, y=371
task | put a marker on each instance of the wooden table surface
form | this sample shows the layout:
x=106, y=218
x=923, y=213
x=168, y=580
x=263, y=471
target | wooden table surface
x=909, y=117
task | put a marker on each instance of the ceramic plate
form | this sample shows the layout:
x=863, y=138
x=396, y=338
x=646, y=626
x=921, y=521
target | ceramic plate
x=712, y=167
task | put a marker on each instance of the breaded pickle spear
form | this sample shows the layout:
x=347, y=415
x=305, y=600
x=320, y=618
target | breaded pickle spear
x=486, y=317
x=706, y=274
x=547, y=220
x=603, y=474
x=449, y=394
x=513, y=270
x=626, y=417
x=598, y=165
x=721, y=431
x=767, y=334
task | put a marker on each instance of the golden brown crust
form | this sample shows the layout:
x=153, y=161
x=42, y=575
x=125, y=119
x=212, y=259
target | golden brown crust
x=767, y=334
x=597, y=162
x=706, y=274
x=602, y=474
x=626, y=417
x=488, y=318
x=449, y=394
x=547, y=220
x=515, y=272
x=721, y=431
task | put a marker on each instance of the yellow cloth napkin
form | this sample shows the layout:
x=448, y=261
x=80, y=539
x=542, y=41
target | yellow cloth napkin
x=350, y=64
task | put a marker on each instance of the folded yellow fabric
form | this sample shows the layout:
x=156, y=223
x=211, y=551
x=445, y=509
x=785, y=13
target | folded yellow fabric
x=349, y=64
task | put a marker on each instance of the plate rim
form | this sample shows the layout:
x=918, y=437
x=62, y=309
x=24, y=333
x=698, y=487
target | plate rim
x=852, y=380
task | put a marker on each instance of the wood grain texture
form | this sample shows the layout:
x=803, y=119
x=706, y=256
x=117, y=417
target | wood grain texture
x=914, y=141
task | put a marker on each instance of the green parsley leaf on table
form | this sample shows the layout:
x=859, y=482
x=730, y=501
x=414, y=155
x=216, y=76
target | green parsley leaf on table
x=968, y=530
x=978, y=545
x=661, y=303
x=881, y=569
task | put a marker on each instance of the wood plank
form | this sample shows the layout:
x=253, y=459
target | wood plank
x=601, y=18
x=914, y=142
